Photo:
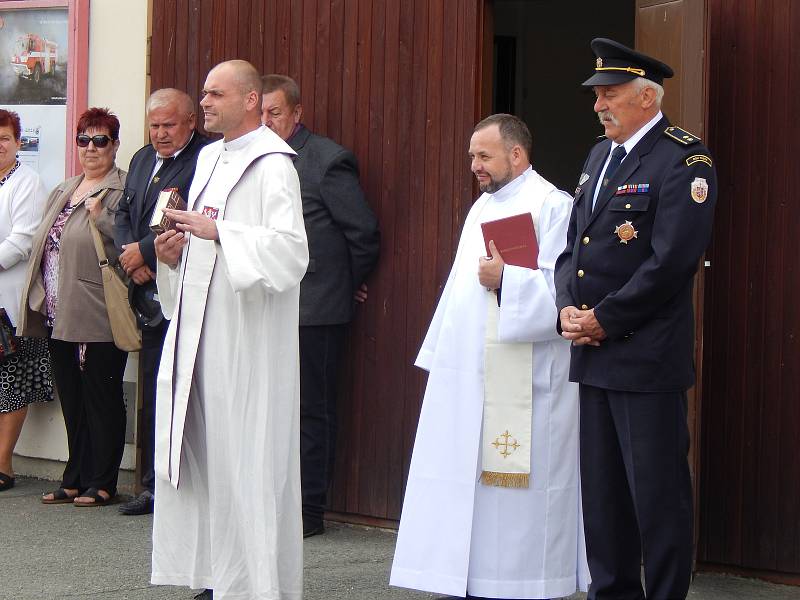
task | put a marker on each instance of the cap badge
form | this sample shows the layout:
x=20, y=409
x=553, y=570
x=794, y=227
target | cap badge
x=626, y=232
x=599, y=63
x=699, y=189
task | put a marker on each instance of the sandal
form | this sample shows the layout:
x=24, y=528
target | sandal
x=6, y=482
x=60, y=496
x=99, y=500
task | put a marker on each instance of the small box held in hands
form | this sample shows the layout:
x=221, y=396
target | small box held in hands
x=168, y=198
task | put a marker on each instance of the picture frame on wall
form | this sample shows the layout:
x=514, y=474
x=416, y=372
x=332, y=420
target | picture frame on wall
x=44, y=48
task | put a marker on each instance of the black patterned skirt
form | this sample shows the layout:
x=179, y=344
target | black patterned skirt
x=25, y=377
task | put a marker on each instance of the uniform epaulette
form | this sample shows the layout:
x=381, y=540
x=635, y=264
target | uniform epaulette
x=681, y=136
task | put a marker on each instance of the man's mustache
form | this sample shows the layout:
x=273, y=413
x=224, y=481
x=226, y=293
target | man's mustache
x=606, y=115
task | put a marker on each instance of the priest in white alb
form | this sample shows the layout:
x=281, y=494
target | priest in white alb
x=227, y=503
x=492, y=507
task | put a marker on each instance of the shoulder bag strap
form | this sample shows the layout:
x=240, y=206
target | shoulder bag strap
x=99, y=248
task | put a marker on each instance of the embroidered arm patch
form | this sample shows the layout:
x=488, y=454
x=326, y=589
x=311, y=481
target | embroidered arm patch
x=698, y=158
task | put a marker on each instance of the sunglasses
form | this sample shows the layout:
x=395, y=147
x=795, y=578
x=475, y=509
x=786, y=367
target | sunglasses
x=99, y=141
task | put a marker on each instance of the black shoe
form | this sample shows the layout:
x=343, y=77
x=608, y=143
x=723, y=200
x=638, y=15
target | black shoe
x=205, y=595
x=313, y=529
x=6, y=482
x=141, y=505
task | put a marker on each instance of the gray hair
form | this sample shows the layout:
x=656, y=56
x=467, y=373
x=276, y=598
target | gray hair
x=168, y=97
x=289, y=87
x=640, y=83
x=513, y=131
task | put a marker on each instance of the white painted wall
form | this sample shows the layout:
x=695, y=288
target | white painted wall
x=118, y=31
x=118, y=68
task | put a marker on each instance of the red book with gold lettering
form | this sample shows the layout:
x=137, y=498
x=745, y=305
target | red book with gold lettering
x=515, y=239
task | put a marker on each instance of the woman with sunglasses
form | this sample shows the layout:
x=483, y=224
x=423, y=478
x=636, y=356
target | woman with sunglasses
x=64, y=301
x=24, y=375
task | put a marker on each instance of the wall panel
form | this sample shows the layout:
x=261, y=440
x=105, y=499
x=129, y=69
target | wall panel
x=397, y=82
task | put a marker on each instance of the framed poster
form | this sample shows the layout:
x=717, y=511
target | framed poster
x=44, y=46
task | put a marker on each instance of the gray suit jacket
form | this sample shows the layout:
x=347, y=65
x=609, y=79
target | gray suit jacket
x=343, y=235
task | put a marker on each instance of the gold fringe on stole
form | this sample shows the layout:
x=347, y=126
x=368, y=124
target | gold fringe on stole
x=507, y=480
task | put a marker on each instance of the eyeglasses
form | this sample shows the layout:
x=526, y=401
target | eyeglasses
x=99, y=141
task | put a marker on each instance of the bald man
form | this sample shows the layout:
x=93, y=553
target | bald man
x=167, y=161
x=227, y=504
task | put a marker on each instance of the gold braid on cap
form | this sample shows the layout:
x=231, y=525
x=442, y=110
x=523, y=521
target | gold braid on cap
x=639, y=72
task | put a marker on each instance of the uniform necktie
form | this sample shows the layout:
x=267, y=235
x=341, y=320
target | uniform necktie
x=613, y=164
x=616, y=158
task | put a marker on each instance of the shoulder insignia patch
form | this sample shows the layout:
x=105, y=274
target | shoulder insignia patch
x=681, y=136
x=698, y=158
x=699, y=190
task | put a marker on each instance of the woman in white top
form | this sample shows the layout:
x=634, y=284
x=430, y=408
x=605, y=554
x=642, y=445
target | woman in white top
x=25, y=375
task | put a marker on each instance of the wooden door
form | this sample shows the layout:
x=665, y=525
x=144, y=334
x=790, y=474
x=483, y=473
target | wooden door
x=397, y=82
x=674, y=31
x=750, y=482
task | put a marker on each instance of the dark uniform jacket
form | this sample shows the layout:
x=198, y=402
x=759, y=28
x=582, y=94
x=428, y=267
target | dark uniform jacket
x=132, y=223
x=343, y=235
x=633, y=259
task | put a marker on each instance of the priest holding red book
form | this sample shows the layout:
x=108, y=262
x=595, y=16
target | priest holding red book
x=492, y=506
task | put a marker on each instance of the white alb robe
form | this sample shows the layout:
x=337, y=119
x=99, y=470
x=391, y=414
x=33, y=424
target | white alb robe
x=227, y=501
x=22, y=203
x=456, y=534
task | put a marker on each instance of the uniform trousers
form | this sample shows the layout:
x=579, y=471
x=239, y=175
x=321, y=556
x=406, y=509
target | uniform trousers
x=94, y=412
x=320, y=353
x=637, y=493
x=149, y=359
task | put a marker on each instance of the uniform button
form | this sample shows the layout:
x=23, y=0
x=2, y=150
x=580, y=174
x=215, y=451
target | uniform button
x=586, y=240
x=580, y=273
x=584, y=307
x=627, y=206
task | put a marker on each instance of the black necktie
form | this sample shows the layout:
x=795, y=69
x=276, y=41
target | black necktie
x=616, y=158
x=165, y=162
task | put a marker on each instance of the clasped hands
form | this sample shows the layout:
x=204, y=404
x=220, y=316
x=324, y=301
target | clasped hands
x=169, y=245
x=581, y=326
x=132, y=261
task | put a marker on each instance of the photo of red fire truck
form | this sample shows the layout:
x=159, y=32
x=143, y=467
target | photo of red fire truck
x=34, y=56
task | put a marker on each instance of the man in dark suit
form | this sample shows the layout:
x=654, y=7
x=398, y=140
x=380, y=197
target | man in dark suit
x=168, y=161
x=640, y=223
x=343, y=244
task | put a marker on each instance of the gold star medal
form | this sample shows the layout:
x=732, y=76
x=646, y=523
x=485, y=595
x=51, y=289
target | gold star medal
x=626, y=232
x=699, y=190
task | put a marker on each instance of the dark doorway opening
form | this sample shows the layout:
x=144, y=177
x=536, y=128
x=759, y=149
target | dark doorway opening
x=504, y=68
x=541, y=56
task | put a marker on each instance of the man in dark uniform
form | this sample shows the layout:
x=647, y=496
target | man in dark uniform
x=640, y=223
x=343, y=246
x=167, y=161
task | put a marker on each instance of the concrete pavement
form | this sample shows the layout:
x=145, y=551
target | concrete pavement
x=55, y=552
